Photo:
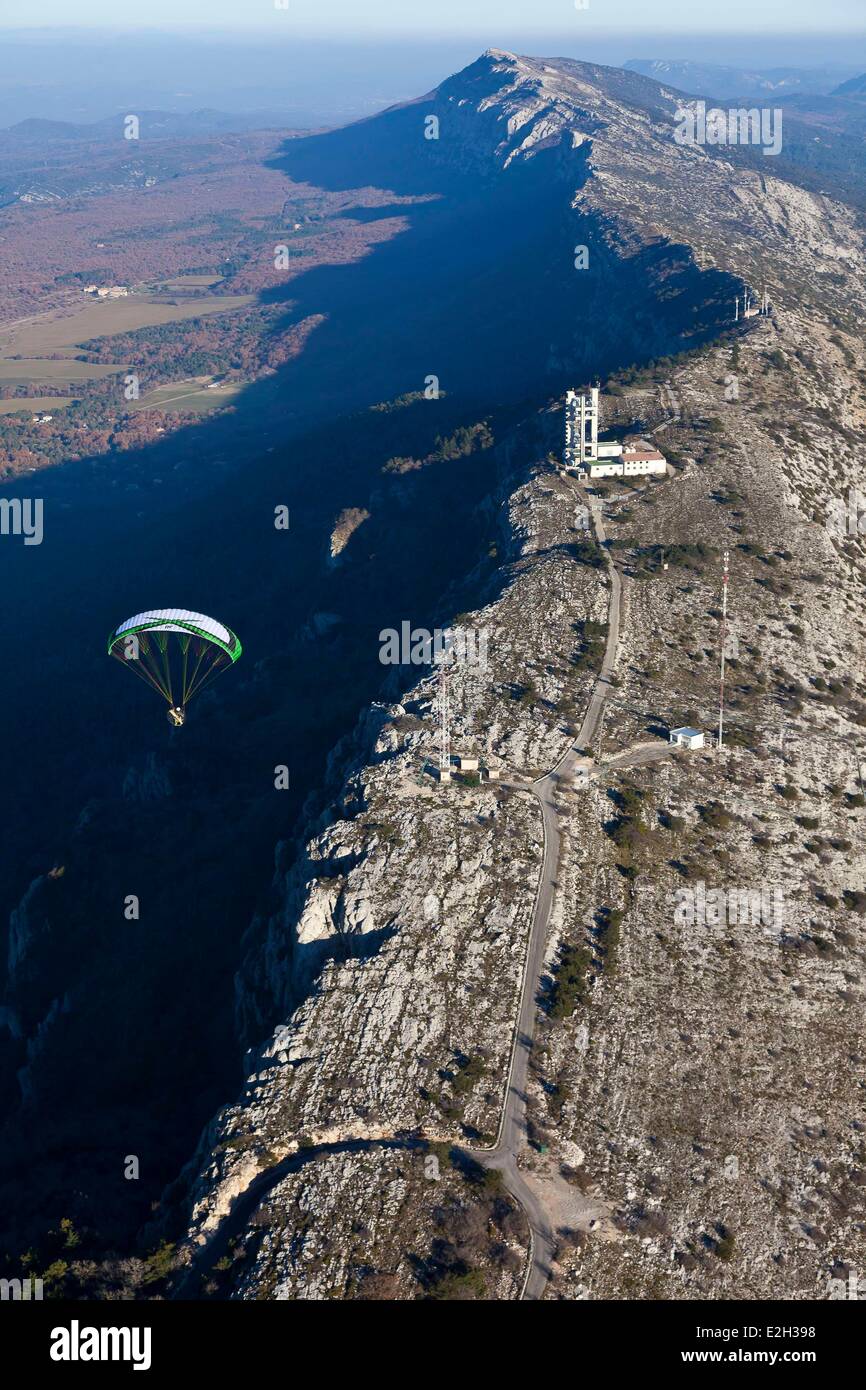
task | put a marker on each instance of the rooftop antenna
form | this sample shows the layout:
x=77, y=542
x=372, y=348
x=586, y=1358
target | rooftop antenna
x=724, y=644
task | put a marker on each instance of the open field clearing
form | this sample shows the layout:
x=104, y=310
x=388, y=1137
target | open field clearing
x=65, y=369
x=192, y=395
x=32, y=403
x=189, y=282
x=104, y=319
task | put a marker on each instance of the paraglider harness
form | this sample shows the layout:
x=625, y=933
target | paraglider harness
x=176, y=716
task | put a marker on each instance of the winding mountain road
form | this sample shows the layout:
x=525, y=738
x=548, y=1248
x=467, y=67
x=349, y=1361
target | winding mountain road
x=512, y=1135
x=511, y=1139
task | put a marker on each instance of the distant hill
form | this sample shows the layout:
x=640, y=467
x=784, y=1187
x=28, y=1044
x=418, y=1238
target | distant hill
x=855, y=87
x=711, y=79
x=155, y=125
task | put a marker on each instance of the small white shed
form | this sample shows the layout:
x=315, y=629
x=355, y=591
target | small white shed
x=465, y=762
x=687, y=738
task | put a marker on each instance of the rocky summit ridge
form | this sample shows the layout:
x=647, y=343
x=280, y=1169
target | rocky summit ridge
x=693, y=1118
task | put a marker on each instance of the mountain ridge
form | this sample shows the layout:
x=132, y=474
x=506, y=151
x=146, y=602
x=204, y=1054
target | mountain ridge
x=403, y=899
x=855, y=86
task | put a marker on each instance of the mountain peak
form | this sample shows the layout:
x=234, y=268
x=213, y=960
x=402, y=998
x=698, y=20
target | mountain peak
x=855, y=87
x=606, y=140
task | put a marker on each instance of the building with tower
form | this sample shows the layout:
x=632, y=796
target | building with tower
x=585, y=455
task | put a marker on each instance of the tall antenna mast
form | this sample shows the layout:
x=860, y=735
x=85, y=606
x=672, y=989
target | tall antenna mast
x=441, y=659
x=724, y=645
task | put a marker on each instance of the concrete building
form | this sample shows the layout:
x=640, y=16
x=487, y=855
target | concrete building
x=465, y=762
x=584, y=454
x=687, y=738
x=633, y=461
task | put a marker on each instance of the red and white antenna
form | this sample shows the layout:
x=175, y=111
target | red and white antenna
x=724, y=645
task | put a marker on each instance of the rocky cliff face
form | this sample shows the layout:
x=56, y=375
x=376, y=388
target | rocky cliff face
x=694, y=1101
x=36, y=1000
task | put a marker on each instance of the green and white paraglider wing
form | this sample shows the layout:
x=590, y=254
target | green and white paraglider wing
x=175, y=651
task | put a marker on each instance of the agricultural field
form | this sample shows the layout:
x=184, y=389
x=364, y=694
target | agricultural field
x=52, y=333
x=35, y=403
x=187, y=282
x=37, y=370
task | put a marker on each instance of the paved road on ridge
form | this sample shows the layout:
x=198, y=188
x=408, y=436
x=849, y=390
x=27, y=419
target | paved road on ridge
x=511, y=1139
x=512, y=1133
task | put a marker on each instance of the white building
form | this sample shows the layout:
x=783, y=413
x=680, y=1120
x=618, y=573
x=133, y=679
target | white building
x=584, y=453
x=608, y=469
x=687, y=738
x=632, y=461
x=465, y=762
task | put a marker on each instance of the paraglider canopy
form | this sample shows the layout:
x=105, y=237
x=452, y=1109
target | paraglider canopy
x=175, y=651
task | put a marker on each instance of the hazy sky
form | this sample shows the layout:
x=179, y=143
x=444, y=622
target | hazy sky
x=330, y=61
x=345, y=18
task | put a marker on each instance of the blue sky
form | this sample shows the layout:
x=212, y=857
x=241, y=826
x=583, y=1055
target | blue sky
x=348, y=18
